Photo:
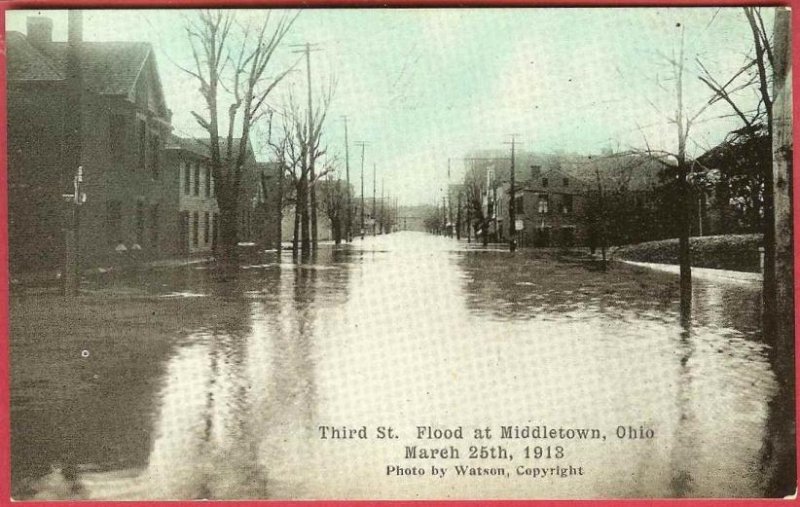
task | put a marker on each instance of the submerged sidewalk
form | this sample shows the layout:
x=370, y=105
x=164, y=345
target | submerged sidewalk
x=714, y=275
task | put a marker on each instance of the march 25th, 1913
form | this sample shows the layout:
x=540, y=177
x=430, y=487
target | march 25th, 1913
x=389, y=253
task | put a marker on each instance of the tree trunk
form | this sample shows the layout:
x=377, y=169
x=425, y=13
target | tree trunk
x=336, y=225
x=296, y=233
x=458, y=219
x=684, y=252
x=313, y=206
x=302, y=204
x=279, y=217
x=228, y=233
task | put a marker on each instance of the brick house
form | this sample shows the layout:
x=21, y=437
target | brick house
x=98, y=105
x=549, y=203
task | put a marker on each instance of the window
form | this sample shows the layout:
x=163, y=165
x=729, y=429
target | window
x=154, y=226
x=155, y=149
x=139, y=223
x=544, y=182
x=197, y=179
x=116, y=133
x=519, y=204
x=113, y=221
x=544, y=203
x=142, y=129
x=206, y=228
x=565, y=182
x=567, y=203
x=195, y=228
x=187, y=178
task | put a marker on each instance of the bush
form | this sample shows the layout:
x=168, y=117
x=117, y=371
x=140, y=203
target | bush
x=737, y=252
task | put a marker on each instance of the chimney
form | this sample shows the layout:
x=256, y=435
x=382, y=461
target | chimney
x=39, y=30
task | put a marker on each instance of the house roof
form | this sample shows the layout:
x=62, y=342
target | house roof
x=108, y=68
x=633, y=171
x=189, y=144
x=26, y=63
x=200, y=146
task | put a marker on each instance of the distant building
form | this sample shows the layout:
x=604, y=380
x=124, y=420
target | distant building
x=557, y=197
x=98, y=105
x=276, y=201
x=548, y=205
x=538, y=178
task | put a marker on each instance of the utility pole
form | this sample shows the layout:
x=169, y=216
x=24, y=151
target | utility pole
x=307, y=48
x=349, y=215
x=382, y=217
x=72, y=272
x=512, y=215
x=73, y=156
x=374, y=186
x=362, y=144
x=782, y=151
x=448, y=218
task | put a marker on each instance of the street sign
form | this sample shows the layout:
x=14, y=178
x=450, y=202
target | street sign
x=518, y=225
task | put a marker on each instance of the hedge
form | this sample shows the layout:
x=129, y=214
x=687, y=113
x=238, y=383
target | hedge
x=737, y=252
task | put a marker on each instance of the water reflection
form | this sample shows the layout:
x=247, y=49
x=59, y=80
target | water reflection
x=410, y=329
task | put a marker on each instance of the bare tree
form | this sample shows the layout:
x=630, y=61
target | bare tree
x=473, y=197
x=763, y=60
x=679, y=167
x=334, y=204
x=298, y=147
x=233, y=58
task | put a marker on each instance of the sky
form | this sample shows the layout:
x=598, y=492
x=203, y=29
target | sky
x=426, y=87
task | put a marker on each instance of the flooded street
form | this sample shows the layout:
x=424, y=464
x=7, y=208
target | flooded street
x=398, y=331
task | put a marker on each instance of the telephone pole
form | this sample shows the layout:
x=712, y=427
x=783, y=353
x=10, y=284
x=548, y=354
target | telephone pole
x=363, y=145
x=73, y=156
x=382, y=217
x=374, y=186
x=349, y=214
x=512, y=215
x=307, y=49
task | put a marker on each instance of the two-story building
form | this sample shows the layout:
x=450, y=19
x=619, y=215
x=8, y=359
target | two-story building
x=548, y=205
x=94, y=105
x=193, y=209
x=193, y=220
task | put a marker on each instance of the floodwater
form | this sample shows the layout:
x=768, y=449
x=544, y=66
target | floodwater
x=403, y=331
